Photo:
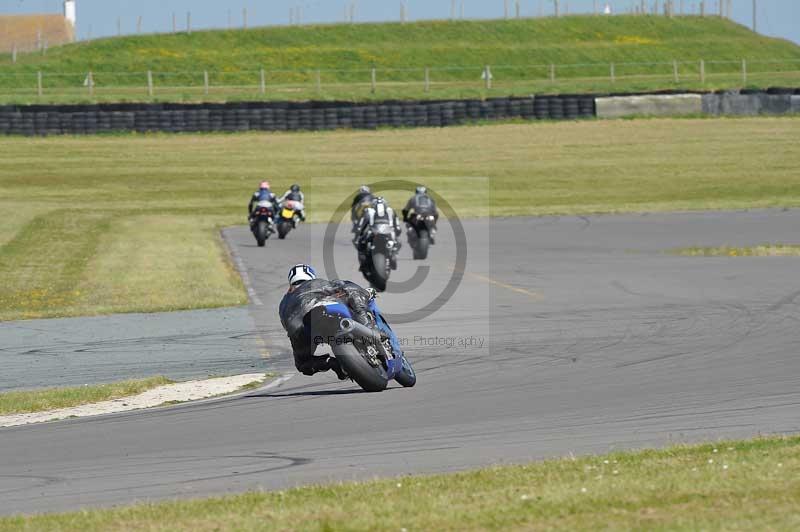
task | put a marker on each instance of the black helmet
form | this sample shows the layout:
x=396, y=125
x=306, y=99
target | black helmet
x=295, y=188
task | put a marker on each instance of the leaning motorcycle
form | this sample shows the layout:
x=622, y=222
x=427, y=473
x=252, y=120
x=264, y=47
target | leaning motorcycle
x=420, y=227
x=261, y=222
x=370, y=355
x=381, y=256
x=288, y=217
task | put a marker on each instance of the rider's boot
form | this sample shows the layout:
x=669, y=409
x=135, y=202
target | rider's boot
x=337, y=368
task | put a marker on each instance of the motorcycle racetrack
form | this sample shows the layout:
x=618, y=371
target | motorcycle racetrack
x=564, y=335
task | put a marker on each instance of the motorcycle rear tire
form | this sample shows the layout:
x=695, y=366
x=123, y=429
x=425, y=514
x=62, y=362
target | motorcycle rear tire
x=261, y=234
x=380, y=271
x=421, y=249
x=370, y=378
x=283, y=229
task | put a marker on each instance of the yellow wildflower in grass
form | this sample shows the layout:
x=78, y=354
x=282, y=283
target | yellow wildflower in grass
x=634, y=39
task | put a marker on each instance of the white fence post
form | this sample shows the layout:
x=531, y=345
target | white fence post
x=39, y=83
x=675, y=71
x=552, y=73
x=150, y=83
x=14, y=53
x=613, y=74
x=702, y=71
x=374, y=79
x=487, y=74
x=139, y=24
x=205, y=82
x=263, y=82
x=427, y=79
x=90, y=82
x=744, y=71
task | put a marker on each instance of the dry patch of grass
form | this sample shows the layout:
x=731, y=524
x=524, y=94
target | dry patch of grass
x=161, y=263
x=744, y=485
x=765, y=250
x=54, y=398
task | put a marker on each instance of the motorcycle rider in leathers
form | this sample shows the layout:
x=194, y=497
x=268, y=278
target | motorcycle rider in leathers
x=307, y=292
x=421, y=203
x=361, y=201
x=295, y=194
x=262, y=194
x=378, y=212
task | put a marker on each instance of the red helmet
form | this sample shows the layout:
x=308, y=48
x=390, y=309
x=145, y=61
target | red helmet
x=264, y=184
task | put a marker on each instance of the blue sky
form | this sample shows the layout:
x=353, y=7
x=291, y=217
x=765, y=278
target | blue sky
x=780, y=18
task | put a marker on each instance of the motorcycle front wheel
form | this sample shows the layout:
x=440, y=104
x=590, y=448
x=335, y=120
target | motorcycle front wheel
x=407, y=376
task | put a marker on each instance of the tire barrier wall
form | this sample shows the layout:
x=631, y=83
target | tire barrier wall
x=649, y=105
x=296, y=116
x=282, y=116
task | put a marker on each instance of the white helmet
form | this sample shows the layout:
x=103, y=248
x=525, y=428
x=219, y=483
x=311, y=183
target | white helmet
x=300, y=274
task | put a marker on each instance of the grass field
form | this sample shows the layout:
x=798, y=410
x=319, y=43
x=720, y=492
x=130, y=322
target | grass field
x=743, y=485
x=520, y=53
x=54, y=398
x=130, y=223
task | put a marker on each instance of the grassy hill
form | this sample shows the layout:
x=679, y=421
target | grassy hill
x=519, y=52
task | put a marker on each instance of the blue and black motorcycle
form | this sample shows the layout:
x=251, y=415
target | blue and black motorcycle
x=371, y=356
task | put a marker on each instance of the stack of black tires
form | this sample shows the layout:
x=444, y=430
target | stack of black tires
x=283, y=116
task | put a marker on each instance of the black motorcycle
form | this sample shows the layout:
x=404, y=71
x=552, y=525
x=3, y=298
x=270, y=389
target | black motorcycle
x=262, y=221
x=380, y=256
x=420, y=227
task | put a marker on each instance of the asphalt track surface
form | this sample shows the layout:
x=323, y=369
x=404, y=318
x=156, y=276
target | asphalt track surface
x=179, y=345
x=593, y=339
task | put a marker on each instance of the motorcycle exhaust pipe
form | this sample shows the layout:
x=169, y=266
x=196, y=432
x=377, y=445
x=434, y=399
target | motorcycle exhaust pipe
x=348, y=326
